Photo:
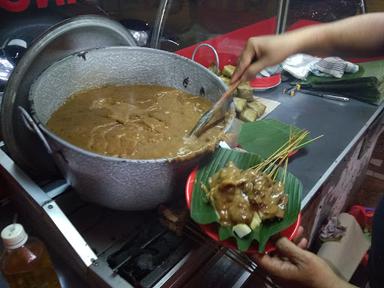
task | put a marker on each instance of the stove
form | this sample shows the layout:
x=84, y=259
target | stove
x=157, y=248
x=107, y=248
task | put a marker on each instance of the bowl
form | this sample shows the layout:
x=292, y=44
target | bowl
x=211, y=229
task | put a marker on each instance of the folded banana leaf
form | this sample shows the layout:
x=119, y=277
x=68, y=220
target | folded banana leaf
x=366, y=85
x=202, y=211
x=265, y=136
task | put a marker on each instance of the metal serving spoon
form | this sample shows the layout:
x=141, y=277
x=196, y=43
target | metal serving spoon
x=207, y=116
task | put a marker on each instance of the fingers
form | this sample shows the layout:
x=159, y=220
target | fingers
x=268, y=263
x=298, y=240
x=288, y=249
x=249, y=72
x=299, y=233
x=253, y=70
x=245, y=60
x=303, y=244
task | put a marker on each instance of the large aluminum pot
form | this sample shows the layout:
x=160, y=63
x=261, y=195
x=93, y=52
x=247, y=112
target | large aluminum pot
x=114, y=182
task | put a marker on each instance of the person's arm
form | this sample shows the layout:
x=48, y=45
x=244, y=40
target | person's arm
x=295, y=267
x=361, y=35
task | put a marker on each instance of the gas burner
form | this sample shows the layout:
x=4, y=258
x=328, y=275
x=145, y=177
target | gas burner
x=149, y=254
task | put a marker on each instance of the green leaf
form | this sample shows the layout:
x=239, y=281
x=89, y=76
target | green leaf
x=244, y=243
x=204, y=213
x=365, y=85
x=264, y=137
x=225, y=233
x=293, y=187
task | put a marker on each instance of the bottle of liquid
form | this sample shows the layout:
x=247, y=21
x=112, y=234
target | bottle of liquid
x=25, y=263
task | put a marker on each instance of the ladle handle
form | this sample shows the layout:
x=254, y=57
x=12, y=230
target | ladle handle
x=225, y=96
x=31, y=125
x=207, y=116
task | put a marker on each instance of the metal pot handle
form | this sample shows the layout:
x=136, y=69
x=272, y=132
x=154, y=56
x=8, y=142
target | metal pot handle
x=32, y=126
x=213, y=50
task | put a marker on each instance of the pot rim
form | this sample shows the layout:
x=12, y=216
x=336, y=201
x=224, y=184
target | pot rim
x=195, y=154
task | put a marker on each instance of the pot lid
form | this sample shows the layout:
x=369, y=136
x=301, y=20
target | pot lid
x=65, y=38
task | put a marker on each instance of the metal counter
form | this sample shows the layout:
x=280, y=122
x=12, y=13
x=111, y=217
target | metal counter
x=341, y=123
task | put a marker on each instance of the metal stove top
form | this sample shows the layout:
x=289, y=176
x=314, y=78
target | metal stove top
x=159, y=248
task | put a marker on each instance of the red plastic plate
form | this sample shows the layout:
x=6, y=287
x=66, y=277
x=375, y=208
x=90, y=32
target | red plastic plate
x=211, y=229
x=264, y=83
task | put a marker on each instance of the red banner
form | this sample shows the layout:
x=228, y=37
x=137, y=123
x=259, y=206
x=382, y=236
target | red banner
x=22, y=5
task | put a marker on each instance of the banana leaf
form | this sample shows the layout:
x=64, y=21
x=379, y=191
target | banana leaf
x=366, y=85
x=264, y=137
x=202, y=211
x=368, y=72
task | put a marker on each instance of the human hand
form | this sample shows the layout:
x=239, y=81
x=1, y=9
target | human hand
x=261, y=52
x=292, y=266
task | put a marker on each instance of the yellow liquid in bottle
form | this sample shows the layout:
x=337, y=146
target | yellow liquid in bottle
x=29, y=266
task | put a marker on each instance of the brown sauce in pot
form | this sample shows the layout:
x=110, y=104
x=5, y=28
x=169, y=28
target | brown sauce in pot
x=134, y=121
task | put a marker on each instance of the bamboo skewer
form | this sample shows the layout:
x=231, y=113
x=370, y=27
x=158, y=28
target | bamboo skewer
x=280, y=156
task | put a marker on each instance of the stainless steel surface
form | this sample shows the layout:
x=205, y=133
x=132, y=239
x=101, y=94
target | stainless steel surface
x=141, y=37
x=282, y=14
x=334, y=97
x=159, y=23
x=70, y=36
x=341, y=123
x=6, y=69
x=58, y=190
x=325, y=95
x=363, y=7
x=117, y=183
x=50, y=208
x=70, y=233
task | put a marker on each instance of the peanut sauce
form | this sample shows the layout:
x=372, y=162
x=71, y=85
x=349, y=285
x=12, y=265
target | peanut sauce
x=237, y=194
x=134, y=121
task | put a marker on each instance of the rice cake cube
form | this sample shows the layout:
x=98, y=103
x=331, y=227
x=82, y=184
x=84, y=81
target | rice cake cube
x=240, y=104
x=245, y=91
x=257, y=107
x=228, y=70
x=248, y=115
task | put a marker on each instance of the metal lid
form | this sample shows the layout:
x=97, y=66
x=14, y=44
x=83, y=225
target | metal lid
x=65, y=38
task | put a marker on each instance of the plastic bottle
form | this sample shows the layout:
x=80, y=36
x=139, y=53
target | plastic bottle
x=25, y=262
